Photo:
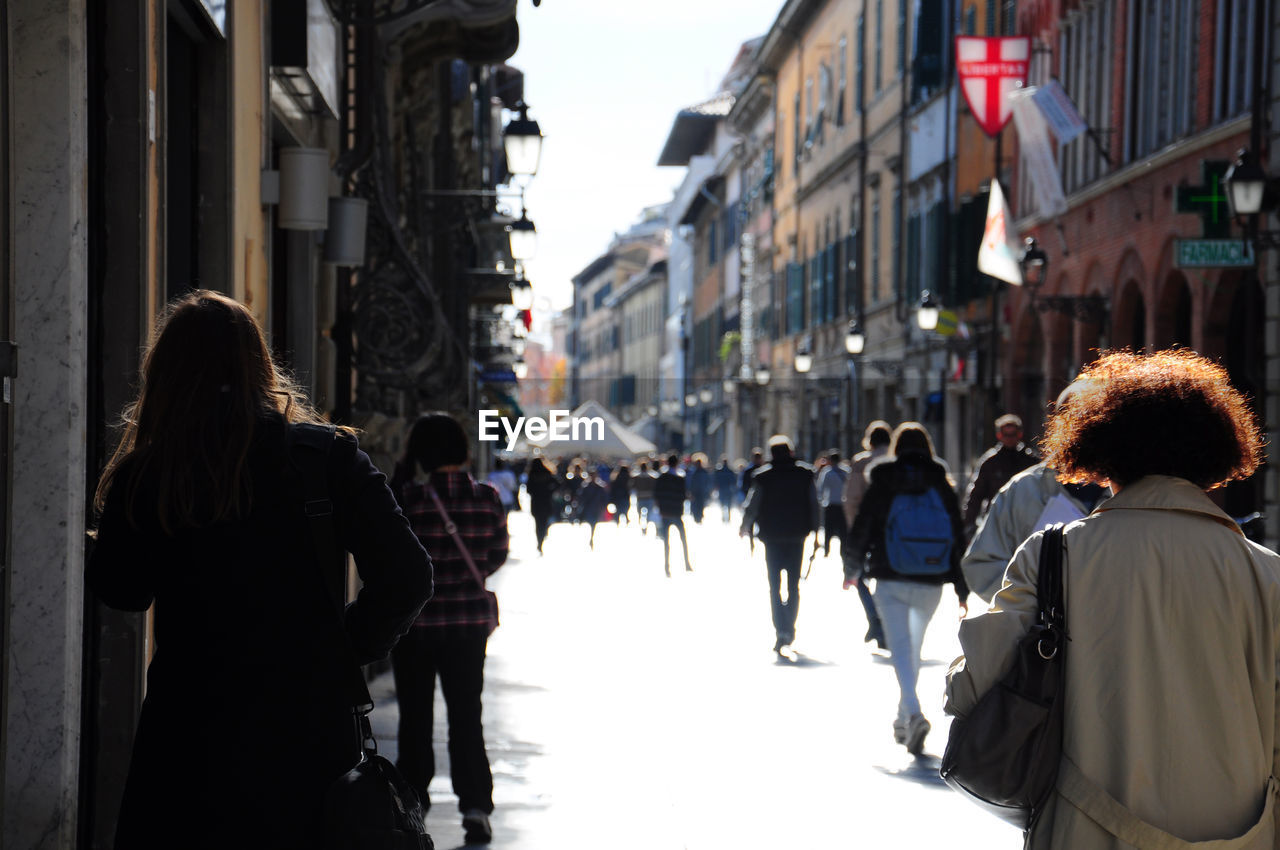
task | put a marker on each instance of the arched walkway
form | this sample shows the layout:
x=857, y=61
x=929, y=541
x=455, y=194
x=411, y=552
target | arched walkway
x=1129, y=318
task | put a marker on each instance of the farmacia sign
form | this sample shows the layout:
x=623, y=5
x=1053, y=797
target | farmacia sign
x=560, y=426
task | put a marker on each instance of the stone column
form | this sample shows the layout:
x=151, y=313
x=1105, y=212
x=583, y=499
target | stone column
x=49, y=156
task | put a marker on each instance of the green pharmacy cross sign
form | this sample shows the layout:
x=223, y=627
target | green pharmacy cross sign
x=1208, y=200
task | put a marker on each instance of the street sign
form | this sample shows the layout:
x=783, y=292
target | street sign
x=1213, y=254
x=948, y=322
x=1207, y=200
x=989, y=70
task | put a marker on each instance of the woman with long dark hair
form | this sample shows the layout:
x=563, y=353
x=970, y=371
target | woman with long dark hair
x=462, y=524
x=908, y=536
x=203, y=515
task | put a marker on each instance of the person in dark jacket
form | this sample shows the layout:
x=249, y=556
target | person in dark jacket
x=725, y=481
x=449, y=639
x=1000, y=463
x=700, y=486
x=202, y=515
x=757, y=461
x=744, y=484
x=542, y=485
x=669, y=492
x=642, y=484
x=782, y=509
x=620, y=493
x=908, y=579
x=592, y=499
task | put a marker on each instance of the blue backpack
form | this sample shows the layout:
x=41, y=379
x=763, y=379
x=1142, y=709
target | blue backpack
x=917, y=534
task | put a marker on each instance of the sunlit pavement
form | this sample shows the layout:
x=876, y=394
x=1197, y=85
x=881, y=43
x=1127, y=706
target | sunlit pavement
x=626, y=709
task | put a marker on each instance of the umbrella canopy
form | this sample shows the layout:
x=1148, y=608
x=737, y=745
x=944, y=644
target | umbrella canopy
x=595, y=431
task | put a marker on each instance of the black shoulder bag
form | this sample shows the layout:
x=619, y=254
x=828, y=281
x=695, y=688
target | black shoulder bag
x=1005, y=755
x=370, y=807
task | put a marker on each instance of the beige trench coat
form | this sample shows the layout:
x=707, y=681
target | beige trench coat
x=1172, y=677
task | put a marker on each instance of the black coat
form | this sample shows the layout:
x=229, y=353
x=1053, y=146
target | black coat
x=246, y=719
x=782, y=502
x=865, y=556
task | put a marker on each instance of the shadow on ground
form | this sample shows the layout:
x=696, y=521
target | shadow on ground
x=923, y=770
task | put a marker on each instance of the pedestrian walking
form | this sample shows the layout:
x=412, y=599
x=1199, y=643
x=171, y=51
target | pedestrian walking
x=831, y=483
x=907, y=536
x=541, y=485
x=669, y=493
x=782, y=510
x=620, y=493
x=757, y=461
x=875, y=444
x=700, y=486
x=593, y=498
x=1031, y=501
x=642, y=485
x=463, y=527
x=726, y=482
x=1170, y=719
x=1000, y=463
x=502, y=479
x=202, y=513
x=744, y=486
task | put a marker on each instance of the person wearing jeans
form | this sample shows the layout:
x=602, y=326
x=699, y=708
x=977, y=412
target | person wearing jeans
x=905, y=609
x=909, y=573
x=782, y=510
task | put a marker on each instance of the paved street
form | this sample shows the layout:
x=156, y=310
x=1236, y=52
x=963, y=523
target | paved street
x=625, y=709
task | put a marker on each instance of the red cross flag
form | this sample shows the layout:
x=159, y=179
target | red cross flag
x=989, y=69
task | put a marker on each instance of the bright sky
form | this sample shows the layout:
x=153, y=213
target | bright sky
x=604, y=79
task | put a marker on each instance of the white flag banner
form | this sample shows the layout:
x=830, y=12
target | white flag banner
x=1056, y=107
x=1037, y=152
x=998, y=256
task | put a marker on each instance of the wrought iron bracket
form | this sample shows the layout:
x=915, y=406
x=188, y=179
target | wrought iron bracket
x=888, y=368
x=1082, y=308
x=1265, y=240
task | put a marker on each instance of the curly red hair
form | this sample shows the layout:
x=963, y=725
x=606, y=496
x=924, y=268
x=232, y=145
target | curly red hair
x=1167, y=413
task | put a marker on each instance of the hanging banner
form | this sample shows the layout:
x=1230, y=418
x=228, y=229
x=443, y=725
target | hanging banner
x=999, y=253
x=1037, y=153
x=990, y=69
x=1058, y=110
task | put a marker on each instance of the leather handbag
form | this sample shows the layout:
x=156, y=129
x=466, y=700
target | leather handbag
x=1006, y=753
x=372, y=806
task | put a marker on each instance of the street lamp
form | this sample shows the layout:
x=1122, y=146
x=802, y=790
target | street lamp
x=1034, y=262
x=706, y=394
x=522, y=294
x=729, y=386
x=762, y=374
x=690, y=400
x=524, y=238
x=927, y=315
x=854, y=339
x=521, y=369
x=522, y=141
x=1246, y=184
x=804, y=357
